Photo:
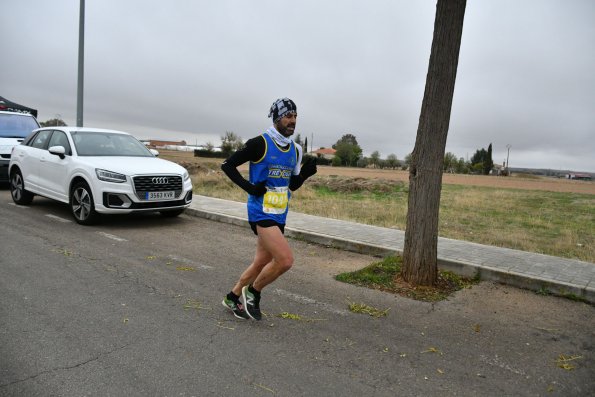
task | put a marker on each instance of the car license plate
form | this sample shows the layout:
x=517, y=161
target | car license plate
x=160, y=195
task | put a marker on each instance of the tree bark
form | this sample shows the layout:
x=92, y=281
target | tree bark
x=420, y=263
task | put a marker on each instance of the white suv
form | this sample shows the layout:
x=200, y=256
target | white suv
x=96, y=171
x=14, y=127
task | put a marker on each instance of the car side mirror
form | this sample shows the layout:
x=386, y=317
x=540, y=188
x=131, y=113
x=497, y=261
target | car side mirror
x=155, y=152
x=58, y=151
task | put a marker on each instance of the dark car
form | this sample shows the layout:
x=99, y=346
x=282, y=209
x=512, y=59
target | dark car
x=14, y=127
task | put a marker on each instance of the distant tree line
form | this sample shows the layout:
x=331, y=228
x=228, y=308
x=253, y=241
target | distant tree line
x=348, y=153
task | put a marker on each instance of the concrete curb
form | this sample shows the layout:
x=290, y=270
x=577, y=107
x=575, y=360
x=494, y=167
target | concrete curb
x=461, y=268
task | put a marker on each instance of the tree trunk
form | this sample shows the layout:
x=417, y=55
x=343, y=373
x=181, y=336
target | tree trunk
x=420, y=252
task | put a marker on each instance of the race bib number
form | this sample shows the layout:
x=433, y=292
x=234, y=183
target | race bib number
x=275, y=200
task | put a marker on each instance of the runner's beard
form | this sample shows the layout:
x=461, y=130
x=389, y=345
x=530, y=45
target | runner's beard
x=286, y=132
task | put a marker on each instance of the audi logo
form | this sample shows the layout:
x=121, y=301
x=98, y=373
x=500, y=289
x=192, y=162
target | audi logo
x=159, y=180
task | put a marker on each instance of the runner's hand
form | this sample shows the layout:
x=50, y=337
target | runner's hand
x=259, y=189
x=308, y=168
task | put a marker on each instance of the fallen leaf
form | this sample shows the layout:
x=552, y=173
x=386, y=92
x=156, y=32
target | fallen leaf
x=365, y=309
x=192, y=304
x=265, y=388
x=432, y=350
x=290, y=316
x=563, y=360
x=223, y=326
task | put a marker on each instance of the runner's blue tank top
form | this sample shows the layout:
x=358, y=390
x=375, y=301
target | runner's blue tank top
x=275, y=167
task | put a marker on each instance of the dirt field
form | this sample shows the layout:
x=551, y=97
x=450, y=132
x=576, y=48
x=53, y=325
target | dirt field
x=513, y=182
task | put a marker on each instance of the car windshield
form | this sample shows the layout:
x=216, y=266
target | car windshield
x=16, y=125
x=97, y=143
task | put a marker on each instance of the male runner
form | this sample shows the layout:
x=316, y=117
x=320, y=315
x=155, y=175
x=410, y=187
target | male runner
x=274, y=172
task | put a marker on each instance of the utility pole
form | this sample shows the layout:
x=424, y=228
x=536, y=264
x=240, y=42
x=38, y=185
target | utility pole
x=81, y=67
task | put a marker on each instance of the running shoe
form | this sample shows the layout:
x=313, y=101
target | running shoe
x=251, y=303
x=236, y=308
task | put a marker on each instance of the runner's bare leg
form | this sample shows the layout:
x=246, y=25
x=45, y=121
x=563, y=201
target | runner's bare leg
x=273, y=258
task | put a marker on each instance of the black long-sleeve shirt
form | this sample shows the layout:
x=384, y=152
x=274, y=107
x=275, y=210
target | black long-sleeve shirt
x=253, y=150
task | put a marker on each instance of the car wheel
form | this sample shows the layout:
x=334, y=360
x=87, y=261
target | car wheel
x=172, y=213
x=17, y=189
x=82, y=205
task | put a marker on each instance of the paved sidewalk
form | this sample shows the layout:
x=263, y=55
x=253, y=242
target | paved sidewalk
x=559, y=276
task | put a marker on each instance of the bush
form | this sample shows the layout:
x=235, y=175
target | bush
x=323, y=161
x=208, y=154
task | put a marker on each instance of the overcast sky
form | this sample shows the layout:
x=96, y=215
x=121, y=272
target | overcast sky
x=194, y=69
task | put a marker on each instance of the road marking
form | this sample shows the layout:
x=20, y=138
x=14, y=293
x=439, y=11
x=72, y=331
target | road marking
x=17, y=206
x=497, y=362
x=58, y=218
x=189, y=262
x=310, y=301
x=111, y=236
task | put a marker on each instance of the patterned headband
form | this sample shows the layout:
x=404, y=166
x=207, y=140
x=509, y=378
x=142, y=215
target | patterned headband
x=281, y=107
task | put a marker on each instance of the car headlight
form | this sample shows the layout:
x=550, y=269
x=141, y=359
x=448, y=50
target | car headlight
x=109, y=176
x=186, y=176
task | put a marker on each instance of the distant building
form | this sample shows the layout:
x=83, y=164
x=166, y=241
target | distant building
x=326, y=153
x=156, y=144
x=580, y=177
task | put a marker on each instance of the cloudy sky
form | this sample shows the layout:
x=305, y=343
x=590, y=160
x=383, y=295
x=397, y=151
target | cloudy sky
x=194, y=69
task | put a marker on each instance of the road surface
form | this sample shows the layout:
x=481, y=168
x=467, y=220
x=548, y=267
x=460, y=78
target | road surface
x=132, y=307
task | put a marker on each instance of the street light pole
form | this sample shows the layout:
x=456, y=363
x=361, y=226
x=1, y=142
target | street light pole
x=81, y=67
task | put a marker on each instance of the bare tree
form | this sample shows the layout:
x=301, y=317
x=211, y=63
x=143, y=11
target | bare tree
x=231, y=142
x=420, y=252
x=53, y=123
x=375, y=158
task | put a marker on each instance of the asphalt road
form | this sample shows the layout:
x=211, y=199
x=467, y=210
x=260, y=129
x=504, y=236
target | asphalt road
x=132, y=307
